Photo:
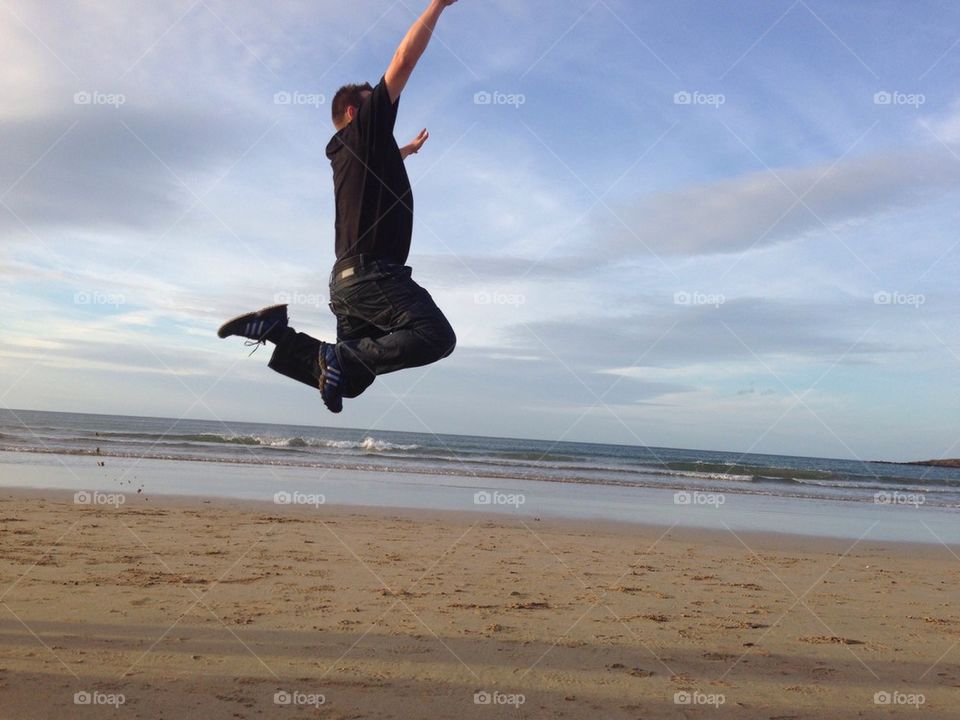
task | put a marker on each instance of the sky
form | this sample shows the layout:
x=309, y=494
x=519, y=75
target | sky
x=726, y=226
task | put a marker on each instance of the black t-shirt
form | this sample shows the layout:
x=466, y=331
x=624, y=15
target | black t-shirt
x=373, y=195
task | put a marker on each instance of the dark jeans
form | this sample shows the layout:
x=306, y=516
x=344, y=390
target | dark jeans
x=385, y=322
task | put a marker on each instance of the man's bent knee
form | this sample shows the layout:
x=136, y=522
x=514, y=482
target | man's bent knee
x=442, y=341
x=449, y=342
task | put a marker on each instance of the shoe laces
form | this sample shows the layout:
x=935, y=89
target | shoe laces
x=255, y=344
x=262, y=340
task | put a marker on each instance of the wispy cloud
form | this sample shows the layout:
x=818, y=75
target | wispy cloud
x=772, y=206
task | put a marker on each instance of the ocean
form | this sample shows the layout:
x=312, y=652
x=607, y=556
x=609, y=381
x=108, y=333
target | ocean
x=169, y=456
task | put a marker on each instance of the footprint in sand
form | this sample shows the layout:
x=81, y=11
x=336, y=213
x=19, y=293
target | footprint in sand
x=829, y=640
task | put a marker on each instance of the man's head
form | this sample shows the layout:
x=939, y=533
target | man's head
x=347, y=101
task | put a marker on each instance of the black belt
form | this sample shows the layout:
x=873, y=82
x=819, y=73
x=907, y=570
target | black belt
x=350, y=266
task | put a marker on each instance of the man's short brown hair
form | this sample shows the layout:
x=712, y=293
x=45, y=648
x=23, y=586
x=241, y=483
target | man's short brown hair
x=347, y=96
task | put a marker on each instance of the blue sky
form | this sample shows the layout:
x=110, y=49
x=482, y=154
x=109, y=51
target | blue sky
x=678, y=223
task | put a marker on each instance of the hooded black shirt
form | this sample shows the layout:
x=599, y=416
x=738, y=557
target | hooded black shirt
x=373, y=195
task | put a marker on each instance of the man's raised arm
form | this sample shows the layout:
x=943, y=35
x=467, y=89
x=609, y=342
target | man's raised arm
x=412, y=47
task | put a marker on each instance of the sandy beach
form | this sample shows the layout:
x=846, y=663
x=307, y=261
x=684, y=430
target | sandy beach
x=183, y=607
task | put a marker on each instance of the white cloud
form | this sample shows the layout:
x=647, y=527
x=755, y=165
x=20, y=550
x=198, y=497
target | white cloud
x=756, y=210
x=946, y=127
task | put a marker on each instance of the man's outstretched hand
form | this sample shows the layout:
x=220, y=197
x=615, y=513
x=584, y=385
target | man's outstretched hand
x=414, y=146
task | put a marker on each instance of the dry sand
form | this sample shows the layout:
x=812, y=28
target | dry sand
x=191, y=608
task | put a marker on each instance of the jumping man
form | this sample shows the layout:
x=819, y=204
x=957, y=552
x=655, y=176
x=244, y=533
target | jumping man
x=385, y=321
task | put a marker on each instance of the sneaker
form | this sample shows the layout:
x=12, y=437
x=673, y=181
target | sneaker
x=257, y=327
x=331, y=378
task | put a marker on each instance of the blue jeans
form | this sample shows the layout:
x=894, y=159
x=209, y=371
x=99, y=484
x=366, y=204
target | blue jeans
x=385, y=322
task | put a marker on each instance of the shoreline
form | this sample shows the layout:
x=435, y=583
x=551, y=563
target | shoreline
x=759, y=538
x=717, y=508
x=637, y=505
